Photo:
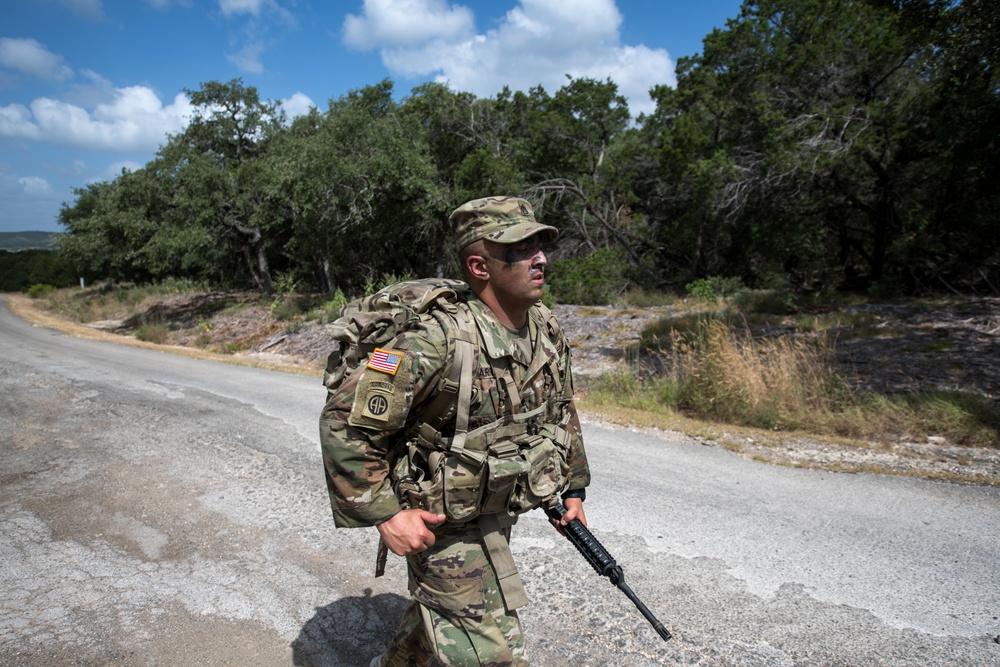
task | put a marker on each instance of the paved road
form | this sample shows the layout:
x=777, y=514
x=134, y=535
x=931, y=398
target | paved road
x=157, y=510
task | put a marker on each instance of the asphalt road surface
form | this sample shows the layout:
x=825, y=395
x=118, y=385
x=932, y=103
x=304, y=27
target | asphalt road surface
x=158, y=510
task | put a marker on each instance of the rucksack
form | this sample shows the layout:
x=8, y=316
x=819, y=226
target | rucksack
x=373, y=321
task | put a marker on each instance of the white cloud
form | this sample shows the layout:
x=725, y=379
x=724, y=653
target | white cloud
x=538, y=42
x=30, y=57
x=134, y=120
x=233, y=7
x=91, y=10
x=407, y=23
x=297, y=105
x=255, y=8
x=35, y=187
x=27, y=202
x=248, y=58
x=256, y=20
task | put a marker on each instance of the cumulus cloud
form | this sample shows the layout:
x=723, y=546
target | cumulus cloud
x=407, y=23
x=232, y=7
x=297, y=105
x=27, y=202
x=538, y=42
x=30, y=57
x=134, y=120
x=248, y=58
x=35, y=187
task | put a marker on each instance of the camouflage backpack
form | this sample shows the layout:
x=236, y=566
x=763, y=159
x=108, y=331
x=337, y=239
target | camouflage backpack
x=367, y=324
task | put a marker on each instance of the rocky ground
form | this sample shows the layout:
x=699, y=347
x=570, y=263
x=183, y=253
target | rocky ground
x=942, y=344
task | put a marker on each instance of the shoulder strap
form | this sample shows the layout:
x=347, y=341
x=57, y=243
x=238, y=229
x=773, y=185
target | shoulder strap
x=456, y=388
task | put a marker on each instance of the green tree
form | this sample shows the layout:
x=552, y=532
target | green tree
x=21, y=270
x=219, y=162
x=587, y=161
x=476, y=147
x=816, y=134
x=108, y=227
x=360, y=190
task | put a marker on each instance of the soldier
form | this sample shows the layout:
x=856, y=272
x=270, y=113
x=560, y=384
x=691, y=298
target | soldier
x=442, y=492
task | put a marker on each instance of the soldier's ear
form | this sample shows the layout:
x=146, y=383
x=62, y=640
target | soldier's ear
x=476, y=267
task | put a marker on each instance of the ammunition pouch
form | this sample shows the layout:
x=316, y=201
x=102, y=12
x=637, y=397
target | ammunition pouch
x=510, y=466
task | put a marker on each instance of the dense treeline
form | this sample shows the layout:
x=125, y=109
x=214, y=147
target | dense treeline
x=20, y=270
x=823, y=143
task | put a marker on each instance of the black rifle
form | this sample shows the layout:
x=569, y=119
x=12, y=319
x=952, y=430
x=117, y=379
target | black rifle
x=603, y=562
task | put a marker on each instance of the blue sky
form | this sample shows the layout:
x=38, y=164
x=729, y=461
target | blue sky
x=89, y=87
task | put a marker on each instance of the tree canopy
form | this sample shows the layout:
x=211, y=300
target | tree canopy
x=815, y=143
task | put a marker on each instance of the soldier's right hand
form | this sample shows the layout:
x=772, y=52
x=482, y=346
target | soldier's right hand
x=407, y=533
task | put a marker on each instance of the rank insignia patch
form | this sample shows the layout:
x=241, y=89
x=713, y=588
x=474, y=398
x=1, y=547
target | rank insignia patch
x=385, y=361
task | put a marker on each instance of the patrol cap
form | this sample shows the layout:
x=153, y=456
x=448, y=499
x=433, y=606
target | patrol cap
x=497, y=219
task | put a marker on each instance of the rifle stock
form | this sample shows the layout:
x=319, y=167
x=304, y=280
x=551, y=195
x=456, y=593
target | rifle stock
x=602, y=562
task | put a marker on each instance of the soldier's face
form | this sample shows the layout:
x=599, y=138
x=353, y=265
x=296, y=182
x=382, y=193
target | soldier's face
x=517, y=270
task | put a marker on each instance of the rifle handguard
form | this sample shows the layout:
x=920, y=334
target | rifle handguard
x=602, y=562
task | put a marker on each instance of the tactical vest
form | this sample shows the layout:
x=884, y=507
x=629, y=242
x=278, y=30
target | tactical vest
x=511, y=463
x=488, y=473
x=506, y=466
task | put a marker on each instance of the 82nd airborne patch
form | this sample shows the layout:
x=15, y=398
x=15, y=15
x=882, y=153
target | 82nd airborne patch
x=381, y=397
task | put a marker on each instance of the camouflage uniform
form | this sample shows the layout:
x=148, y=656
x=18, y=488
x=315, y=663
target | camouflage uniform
x=458, y=615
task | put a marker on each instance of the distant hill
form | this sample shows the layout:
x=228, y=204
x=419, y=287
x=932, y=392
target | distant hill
x=14, y=241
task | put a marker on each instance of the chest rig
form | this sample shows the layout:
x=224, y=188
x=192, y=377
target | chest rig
x=493, y=439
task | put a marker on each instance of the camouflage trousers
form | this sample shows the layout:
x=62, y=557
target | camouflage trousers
x=457, y=616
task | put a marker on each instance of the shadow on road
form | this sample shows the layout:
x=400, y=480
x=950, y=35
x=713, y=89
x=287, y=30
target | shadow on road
x=350, y=631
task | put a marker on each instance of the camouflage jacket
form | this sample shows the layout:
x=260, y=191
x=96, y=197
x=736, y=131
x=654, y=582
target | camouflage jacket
x=358, y=449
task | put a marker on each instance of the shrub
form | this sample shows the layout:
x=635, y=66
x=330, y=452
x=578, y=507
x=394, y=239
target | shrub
x=765, y=302
x=548, y=300
x=372, y=285
x=329, y=310
x=286, y=309
x=152, y=333
x=689, y=329
x=595, y=280
x=714, y=288
x=39, y=290
x=640, y=298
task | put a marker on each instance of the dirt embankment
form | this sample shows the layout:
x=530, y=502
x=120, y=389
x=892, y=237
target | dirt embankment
x=949, y=344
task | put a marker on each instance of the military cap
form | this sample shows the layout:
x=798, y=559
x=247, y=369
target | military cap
x=497, y=219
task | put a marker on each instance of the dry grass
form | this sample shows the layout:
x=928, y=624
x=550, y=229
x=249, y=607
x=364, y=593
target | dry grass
x=764, y=398
x=39, y=313
x=714, y=370
x=776, y=383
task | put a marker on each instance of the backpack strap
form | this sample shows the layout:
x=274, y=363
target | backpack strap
x=456, y=388
x=465, y=350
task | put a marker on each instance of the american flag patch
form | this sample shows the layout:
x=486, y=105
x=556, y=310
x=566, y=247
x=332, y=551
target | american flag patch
x=385, y=361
